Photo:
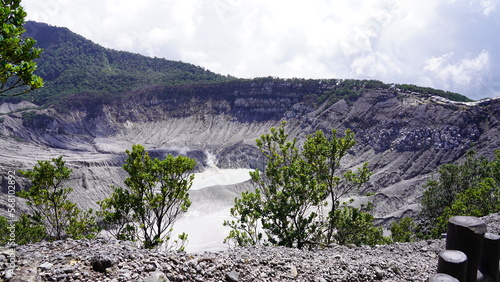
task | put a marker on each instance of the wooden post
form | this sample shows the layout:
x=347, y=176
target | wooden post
x=465, y=233
x=441, y=277
x=453, y=263
x=490, y=257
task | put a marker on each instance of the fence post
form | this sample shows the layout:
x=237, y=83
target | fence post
x=442, y=277
x=453, y=263
x=465, y=233
x=490, y=257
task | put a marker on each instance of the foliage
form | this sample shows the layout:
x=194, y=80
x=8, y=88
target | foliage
x=245, y=231
x=36, y=120
x=292, y=192
x=4, y=231
x=155, y=197
x=29, y=230
x=26, y=229
x=355, y=227
x=403, y=230
x=465, y=189
x=117, y=214
x=48, y=201
x=72, y=64
x=431, y=91
x=481, y=200
x=16, y=52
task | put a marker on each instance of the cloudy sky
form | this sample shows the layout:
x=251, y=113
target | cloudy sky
x=452, y=45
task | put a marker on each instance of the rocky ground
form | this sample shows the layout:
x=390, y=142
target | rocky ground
x=102, y=260
x=106, y=260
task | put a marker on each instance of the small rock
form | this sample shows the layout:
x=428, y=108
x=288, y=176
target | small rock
x=379, y=273
x=293, y=270
x=46, y=266
x=101, y=262
x=8, y=274
x=68, y=269
x=232, y=276
x=157, y=276
x=150, y=268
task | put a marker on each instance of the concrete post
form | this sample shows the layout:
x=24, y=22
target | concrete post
x=441, y=277
x=490, y=257
x=465, y=233
x=453, y=263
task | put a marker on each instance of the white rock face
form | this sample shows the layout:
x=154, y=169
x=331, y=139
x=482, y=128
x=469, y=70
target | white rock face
x=6, y=108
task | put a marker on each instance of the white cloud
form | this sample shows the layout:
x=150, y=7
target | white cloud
x=464, y=72
x=437, y=43
x=488, y=6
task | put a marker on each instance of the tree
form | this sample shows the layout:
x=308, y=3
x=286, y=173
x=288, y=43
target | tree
x=325, y=154
x=155, y=198
x=461, y=189
x=48, y=201
x=291, y=194
x=479, y=201
x=16, y=52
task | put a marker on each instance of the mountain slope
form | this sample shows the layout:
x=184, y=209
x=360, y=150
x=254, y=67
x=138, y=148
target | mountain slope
x=71, y=64
x=404, y=136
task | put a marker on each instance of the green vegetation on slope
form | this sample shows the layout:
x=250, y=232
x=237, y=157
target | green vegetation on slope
x=431, y=91
x=72, y=64
x=471, y=188
x=75, y=68
x=50, y=207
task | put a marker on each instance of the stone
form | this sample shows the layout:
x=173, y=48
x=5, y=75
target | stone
x=156, y=276
x=232, y=276
x=101, y=262
x=46, y=266
x=442, y=277
x=379, y=273
x=8, y=274
x=293, y=270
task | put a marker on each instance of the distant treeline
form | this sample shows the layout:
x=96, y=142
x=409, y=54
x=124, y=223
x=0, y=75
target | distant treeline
x=73, y=66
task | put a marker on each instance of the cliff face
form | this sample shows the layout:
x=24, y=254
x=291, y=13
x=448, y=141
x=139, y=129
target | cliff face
x=403, y=136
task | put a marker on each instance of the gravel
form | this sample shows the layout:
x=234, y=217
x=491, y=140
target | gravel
x=106, y=260
x=111, y=260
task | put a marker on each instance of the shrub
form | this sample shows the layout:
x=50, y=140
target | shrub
x=49, y=204
x=291, y=196
x=155, y=198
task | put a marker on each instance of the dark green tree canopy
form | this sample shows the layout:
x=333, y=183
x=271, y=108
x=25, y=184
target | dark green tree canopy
x=16, y=52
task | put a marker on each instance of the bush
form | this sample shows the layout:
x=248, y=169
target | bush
x=355, y=227
x=403, y=230
x=479, y=201
x=23, y=231
x=155, y=198
x=470, y=188
x=291, y=196
x=49, y=204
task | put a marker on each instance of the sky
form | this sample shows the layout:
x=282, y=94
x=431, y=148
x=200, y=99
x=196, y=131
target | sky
x=452, y=45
